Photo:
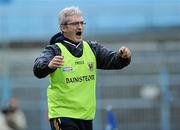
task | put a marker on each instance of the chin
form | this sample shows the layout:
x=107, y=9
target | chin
x=78, y=40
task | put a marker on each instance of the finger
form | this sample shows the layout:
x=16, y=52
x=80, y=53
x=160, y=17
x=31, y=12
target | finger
x=122, y=50
x=125, y=52
x=58, y=61
x=128, y=53
x=59, y=57
x=58, y=64
x=54, y=65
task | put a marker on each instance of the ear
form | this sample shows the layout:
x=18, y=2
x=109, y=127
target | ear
x=63, y=28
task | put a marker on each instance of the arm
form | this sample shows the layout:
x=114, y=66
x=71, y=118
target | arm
x=108, y=59
x=41, y=63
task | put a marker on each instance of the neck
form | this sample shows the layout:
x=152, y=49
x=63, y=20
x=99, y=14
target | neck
x=67, y=39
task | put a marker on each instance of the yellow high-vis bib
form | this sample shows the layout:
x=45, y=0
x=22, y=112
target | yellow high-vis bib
x=71, y=92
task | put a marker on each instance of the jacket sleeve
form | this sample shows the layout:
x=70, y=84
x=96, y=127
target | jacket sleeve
x=108, y=59
x=40, y=67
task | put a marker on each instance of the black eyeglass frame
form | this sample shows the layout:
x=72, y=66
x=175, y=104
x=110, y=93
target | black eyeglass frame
x=75, y=23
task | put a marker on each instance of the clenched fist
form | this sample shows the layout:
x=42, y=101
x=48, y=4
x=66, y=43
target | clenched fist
x=56, y=62
x=124, y=52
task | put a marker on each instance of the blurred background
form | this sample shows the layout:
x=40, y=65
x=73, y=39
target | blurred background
x=143, y=96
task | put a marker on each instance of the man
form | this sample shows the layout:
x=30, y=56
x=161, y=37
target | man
x=3, y=123
x=15, y=117
x=71, y=65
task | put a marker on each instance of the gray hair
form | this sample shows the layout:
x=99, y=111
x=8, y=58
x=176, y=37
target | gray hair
x=69, y=11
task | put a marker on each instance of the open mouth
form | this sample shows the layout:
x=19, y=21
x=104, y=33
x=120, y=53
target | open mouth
x=79, y=33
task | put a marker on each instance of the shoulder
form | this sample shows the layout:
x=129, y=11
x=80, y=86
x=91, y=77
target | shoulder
x=93, y=44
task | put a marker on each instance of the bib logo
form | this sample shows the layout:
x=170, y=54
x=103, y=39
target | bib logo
x=79, y=62
x=91, y=66
x=67, y=69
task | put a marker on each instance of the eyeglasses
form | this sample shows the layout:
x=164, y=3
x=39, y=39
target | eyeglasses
x=75, y=23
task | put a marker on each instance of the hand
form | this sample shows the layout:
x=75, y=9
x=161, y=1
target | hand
x=56, y=62
x=124, y=52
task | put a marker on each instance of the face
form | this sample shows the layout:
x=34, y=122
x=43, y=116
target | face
x=73, y=30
